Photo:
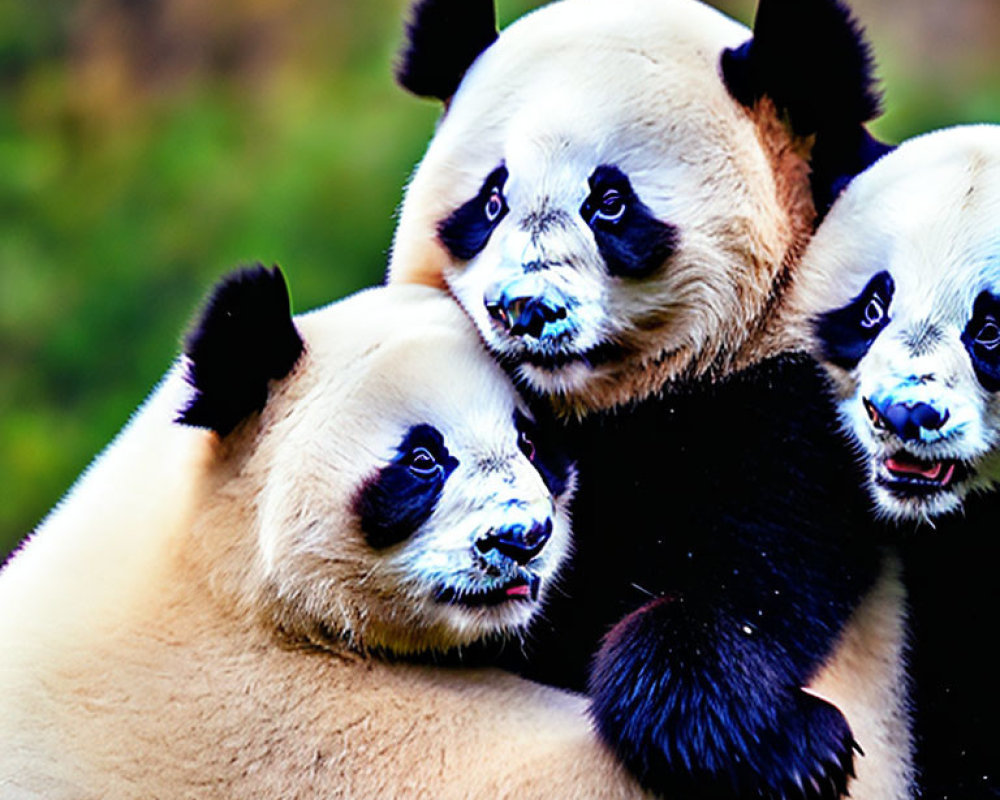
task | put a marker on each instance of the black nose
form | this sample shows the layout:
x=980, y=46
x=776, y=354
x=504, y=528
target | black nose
x=906, y=420
x=518, y=542
x=524, y=315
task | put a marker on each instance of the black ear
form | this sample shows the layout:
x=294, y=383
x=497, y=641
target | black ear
x=811, y=58
x=837, y=157
x=244, y=338
x=443, y=38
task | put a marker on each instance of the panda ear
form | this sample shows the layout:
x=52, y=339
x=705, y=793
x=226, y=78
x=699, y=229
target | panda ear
x=244, y=338
x=443, y=38
x=812, y=60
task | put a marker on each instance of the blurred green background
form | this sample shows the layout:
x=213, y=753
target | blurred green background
x=146, y=146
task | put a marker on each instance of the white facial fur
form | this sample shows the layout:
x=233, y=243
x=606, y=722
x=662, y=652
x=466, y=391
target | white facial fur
x=388, y=360
x=928, y=215
x=571, y=87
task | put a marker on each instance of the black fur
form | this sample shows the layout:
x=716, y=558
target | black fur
x=468, y=228
x=845, y=334
x=443, y=38
x=723, y=539
x=402, y=495
x=545, y=452
x=811, y=59
x=950, y=575
x=244, y=339
x=837, y=157
x=984, y=351
x=634, y=243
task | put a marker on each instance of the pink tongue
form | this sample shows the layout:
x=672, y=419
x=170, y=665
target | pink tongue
x=522, y=590
x=931, y=473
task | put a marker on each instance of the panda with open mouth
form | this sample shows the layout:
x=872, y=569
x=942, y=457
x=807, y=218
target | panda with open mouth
x=922, y=379
x=902, y=289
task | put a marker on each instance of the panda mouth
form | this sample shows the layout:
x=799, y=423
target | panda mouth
x=905, y=475
x=553, y=362
x=519, y=589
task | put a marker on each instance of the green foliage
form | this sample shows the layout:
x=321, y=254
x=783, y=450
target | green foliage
x=125, y=192
x=112, y=228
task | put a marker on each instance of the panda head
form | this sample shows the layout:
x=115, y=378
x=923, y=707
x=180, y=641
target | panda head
x=902, y=283
x=616, y=190
x=392, y=490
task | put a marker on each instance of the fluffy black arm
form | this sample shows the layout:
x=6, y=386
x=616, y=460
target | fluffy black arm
x=699, y=704
x=723, y=537
x=761, y=550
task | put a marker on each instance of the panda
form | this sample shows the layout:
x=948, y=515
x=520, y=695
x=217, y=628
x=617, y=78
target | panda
x=900, y=294
x=204, y=614
x=618, y=195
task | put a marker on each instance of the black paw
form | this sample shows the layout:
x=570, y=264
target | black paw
x=808, y=755
x=705, y=729
x=804, y=753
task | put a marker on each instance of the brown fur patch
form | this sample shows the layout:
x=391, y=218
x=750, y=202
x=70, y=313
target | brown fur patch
x=788, y=155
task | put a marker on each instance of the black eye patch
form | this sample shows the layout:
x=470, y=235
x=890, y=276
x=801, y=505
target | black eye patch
x=468, y=229
x=845, y=334
x=542, y=448
x=401, y=496
x=981, y=338
x=630, y=239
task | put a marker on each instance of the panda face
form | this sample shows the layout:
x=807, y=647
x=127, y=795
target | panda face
x=466, y=529
x=910, y=255
x=544, y=291
x=571, y=200
x=455, y=505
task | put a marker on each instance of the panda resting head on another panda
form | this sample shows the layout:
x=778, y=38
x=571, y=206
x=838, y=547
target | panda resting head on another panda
x=196, y=615
x=460, y=531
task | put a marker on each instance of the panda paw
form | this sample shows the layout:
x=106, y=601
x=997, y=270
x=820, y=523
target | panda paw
x=711, y=727
x=805, y=753
x=808, y=756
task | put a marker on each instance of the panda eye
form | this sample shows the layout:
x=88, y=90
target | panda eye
x=989, y=334
x=495, y=205
x=526, y=445
x=422, y=463
x=981, y=338
x=467, y=230
x=874, y=313
x=612, y=206
x=605, y=206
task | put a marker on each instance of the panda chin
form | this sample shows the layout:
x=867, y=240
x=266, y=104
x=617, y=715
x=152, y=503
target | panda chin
x=563, y=374
x=568, y=379
x=489, y=612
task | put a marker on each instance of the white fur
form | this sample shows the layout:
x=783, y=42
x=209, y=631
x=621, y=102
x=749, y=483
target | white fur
x=634, y=84
x=193, y=619
x=927, y=213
